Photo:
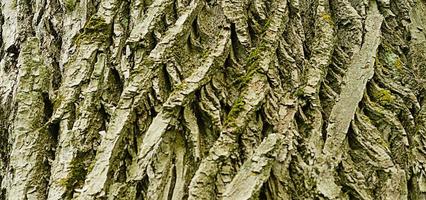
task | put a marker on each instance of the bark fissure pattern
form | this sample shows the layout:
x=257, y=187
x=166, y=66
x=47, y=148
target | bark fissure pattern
x=212, y=99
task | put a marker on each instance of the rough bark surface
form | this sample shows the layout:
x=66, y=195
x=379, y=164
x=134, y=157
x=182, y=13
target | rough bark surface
x=212, y=99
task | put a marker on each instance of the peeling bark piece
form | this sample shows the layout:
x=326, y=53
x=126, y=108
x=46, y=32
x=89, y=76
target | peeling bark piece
x=63, y=168
x=27, y=169
x=74, y=17
x=354, y=84
x=148, y=22
x=10, y=24
x=255, y=171
x=94, y=37
x=355, y=80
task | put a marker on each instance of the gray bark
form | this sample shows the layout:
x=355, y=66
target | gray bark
x=218, y=99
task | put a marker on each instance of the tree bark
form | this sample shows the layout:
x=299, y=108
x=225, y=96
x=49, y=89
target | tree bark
x=217, y=99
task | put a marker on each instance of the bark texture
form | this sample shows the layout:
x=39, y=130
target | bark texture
x=212, y=99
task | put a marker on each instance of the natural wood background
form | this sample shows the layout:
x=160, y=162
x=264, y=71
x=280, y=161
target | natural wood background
x=212, y=99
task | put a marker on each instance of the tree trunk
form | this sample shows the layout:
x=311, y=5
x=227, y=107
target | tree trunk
x=212, y=99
